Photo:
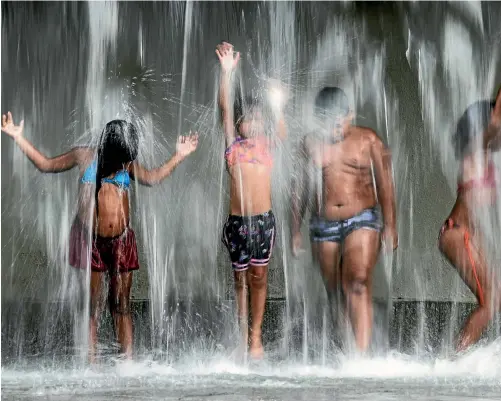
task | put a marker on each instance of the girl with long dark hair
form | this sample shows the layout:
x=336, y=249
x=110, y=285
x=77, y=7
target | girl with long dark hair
x=101, y=239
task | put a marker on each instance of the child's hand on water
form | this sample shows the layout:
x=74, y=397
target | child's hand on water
x=227, y=56
x=9, y=128
x=186, y=144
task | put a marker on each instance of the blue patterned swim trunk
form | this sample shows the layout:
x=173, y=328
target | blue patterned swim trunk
x=249, y=239
x=337, y=230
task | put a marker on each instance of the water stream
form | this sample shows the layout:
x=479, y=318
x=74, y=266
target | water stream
x=409, y=70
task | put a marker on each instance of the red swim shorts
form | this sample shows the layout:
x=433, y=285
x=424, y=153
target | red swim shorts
x=113, y=254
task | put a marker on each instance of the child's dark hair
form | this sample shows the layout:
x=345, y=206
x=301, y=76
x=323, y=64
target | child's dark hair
x=332, y=101
x=118, y=145
x=473, y=122
x=244, y=105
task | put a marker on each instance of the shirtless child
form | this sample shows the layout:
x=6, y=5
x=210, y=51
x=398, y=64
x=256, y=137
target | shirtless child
x=346, y=227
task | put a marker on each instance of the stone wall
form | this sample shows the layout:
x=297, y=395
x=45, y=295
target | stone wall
x=45, y=83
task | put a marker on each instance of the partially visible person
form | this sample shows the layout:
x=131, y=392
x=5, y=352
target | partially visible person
x=478, y=134
x=250, y=230
x=101, y=239
x=354, y=183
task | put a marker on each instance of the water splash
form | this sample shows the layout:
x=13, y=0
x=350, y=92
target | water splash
x=477, y=372
x=185, y=272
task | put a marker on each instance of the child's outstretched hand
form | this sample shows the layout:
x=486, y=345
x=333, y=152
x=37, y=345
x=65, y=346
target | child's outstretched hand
x=186, y=144
x=227, y=56
x=9, y=128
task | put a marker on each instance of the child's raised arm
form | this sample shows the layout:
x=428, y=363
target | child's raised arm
x=184, y=147
x=43, y=163
x=229, y=61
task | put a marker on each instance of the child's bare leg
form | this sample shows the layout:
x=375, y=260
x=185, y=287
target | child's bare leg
x=328, y=255
x=258, y=280
x=361, y=249
x=242, y=306
x=120, y=285
x=96, y=280
x=470, y=262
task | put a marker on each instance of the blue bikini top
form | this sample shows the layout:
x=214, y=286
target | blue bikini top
x=121, y=178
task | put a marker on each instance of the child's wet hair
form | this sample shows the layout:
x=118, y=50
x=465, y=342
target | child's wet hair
x=118, y=145
x=243, y=106
x=474, y=122
x=331, y=102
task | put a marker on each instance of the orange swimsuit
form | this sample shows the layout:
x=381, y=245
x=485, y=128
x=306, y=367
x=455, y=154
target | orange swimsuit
x=487, y=181
x=249, y=150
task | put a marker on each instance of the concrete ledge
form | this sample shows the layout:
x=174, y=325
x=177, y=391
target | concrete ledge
x=37, y=330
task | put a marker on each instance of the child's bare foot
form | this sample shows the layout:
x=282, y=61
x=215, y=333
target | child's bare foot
x=256, y=350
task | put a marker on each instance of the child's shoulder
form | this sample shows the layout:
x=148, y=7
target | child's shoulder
x=85, y=155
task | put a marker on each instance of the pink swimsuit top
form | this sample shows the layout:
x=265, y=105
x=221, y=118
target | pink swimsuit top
x=249, y=150
x=487, y=181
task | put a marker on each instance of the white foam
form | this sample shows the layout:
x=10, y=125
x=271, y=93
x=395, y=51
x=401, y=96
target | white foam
x=482, y=362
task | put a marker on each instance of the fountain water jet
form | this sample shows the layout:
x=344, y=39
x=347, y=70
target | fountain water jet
x=185, y=274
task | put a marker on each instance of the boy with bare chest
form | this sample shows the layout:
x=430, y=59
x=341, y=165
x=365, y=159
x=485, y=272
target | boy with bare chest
x=351, y=173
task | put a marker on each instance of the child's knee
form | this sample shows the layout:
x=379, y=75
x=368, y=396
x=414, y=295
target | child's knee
x=120, y=306
x=358, y=283
x=359, y=286
x=95, y=307
x=258, y=280
x=241, y=280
